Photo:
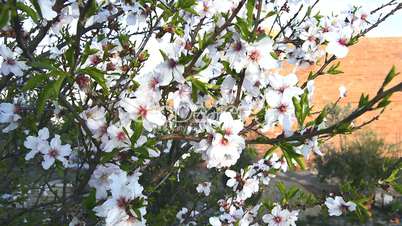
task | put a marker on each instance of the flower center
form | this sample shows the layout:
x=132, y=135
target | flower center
x=10, y=61
x=82, y=81
x=278, y=219
x=104, y=178
x=121, y=136
x=237, y=46
x=172, y=63
x=122, y=202
x=282, y=108
x=255, y=55
x=53, y=153
x=142, y=111
x=224, y=141
x=154, y=83
x=95, y=60
x=343, y=41
x=311, y=39
x=344, y=208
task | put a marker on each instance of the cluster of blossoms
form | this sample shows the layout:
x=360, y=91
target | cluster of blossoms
x=51, y=151
x=168, y=80
x=126, y=205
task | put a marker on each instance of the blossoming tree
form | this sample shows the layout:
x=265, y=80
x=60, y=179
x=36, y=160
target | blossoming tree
x=110, y=109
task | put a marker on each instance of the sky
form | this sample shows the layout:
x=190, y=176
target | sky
x=390, y=28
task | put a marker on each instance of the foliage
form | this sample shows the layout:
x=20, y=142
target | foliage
x=362, y=162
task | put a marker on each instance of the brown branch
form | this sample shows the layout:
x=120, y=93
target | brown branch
x=239, y=87
x=332, y=129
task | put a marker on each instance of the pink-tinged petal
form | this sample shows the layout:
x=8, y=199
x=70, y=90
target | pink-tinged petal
x=47, y=162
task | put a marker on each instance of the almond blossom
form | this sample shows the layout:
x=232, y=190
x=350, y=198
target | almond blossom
x=336, y=206
x=101, y=181
x=281, y=217
x=204, y=188
x=116, y=209
x=244, y=183
x=338, y=43
x=145, y=109
x=171, y=65
x=11, y=65
x=46, y=9
x=259, y=55
x=36, y=143
x=227, y=145
x=55, y=151
x=8, y=114
x=118, y=138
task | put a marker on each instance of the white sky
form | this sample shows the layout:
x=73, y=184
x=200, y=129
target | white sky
x=390, y=28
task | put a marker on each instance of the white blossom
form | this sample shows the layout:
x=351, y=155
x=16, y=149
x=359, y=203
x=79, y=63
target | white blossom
x=336, y=206
x=8, y=114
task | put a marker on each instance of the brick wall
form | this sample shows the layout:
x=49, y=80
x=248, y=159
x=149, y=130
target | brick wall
x=364, y=71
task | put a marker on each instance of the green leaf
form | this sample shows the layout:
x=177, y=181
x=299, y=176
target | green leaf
x=302, y=109
x=43, y=63
x=308, y=13
x=29, y=11
x=37, y=7
x=137, y=127
x=270, y=151
x=321, y=117
x=243, y=28
x=93, y=8
x=90, y=201
x=391, y=75
x=250, y=8
x=271, y=13
x=292, y=192
x=384, y=102
x=333, y=70
x=397, y=187
x=167, y=12
x=281, y=187
x=50, y=92
x=290, y=154
x=362, y=212
x=394, y=175
x=194, y=93
x=34, y=82
x=343, y=128
x=4, y=15
x=96, y=75
x=185, y=3
x=199, y=85
x=364, y=100
x=69, y=54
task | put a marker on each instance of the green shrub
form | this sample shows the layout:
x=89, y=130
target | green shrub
x=360, y=162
